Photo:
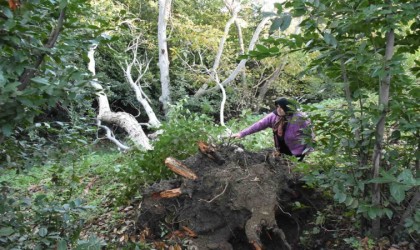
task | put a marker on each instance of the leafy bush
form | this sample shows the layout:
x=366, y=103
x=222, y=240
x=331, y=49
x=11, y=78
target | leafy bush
x=39, y=222
x=180, y=135
x=342, y=164
x=43, y=142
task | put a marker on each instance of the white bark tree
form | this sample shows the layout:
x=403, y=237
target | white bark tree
x=204, y=89
x=142, y=67
x=234, y=8
x=164, y=11
x=122, y=119
x=242, y=48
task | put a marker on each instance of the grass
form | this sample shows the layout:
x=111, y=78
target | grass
x=93, y=177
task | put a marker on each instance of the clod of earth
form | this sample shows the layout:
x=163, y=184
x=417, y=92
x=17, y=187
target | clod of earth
x=228, y=198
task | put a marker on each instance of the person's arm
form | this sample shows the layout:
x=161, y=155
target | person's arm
x=264, y=123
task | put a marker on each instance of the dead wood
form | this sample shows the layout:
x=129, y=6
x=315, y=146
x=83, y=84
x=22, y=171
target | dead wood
x=210, y=152
x=179, y=168
x=170, y=193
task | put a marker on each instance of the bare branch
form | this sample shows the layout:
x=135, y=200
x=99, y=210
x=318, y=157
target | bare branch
x=203, y=90
x=111, y=136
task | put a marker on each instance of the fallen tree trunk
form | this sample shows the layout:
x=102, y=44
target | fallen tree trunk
x=124, y=120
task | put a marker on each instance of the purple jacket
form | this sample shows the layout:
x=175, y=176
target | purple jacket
x=294, y=136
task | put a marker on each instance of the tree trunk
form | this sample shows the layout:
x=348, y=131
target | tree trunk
x=29, y=73
x=203, y=90
x=347, y=91
x=222, y=44
x=380, y=128
x=242, y=49
x=264, y=88
x=164, y=10
x=124, y=120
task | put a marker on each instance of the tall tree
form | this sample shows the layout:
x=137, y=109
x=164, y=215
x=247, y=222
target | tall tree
x=164, y=12
x=142, y=66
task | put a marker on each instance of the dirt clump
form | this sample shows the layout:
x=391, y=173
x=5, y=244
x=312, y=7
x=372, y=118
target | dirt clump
x=236, y=200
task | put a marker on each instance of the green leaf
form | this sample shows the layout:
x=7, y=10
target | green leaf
x=354, y=204
x=287, y=19
x=279, y=8
x=330, y=39
x=388, y=213
x=7, y=129
x=341, y=197
x=349, y=201
x=274, y=50
x=2, y=79
x=7, y=12
x=381, y=180
x=63, y=4
x=11, y=87
x=262, y=48
x=397, y=192
x=62, y=245
x=275, y=25
x=415, y=92
x=43, y=232
x=406, y=177
x=243, y=57
x=40, y=80
x=373, y=212
x=6, y=231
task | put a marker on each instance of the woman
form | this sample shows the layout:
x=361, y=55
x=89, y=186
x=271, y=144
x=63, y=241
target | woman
x=290, y=129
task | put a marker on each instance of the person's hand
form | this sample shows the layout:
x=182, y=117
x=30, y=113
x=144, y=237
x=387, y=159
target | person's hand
x=236, y=136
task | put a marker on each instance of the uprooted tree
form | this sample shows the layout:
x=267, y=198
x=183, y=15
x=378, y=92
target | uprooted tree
x=227, y=199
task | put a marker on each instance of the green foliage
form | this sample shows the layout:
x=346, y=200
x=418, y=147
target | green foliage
x=38, y=222
x=40, y=143
x=356, y=243
x=43, y=206
x=413, y=223
x=343, y=151
x=58, y=77
x=179, y=140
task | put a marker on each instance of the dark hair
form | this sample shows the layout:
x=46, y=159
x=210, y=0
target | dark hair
x=286, y=105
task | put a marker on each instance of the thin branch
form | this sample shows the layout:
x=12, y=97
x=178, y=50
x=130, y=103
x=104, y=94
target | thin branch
x=217, y=196
x=29, y=73
x=111, y=137
x=203, y=90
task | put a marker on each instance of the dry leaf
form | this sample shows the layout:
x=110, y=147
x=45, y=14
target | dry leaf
x=159, y=245
x=190, y=232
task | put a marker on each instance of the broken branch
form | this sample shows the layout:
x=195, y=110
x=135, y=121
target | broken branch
x=179, y=168
x=170, y=193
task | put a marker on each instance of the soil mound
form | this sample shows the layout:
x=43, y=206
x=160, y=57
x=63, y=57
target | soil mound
x=228, y=199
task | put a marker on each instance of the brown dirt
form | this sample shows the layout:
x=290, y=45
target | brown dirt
x=244, y=202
